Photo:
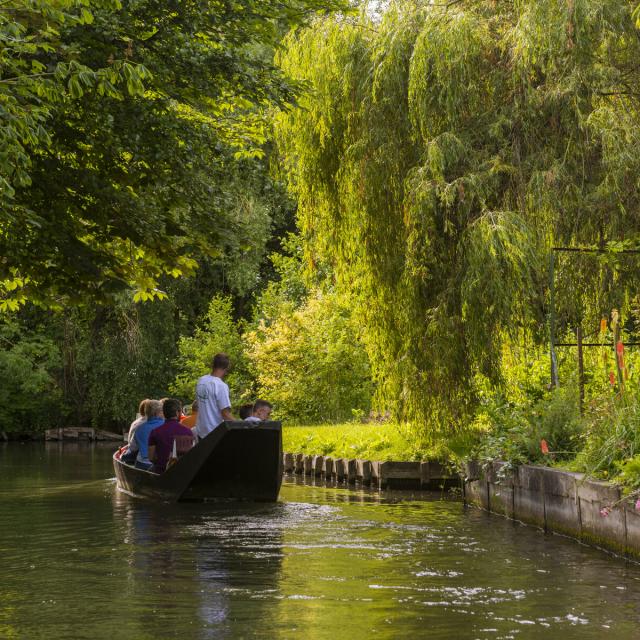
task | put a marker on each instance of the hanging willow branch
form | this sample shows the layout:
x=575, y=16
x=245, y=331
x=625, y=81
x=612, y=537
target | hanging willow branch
x=436, y=159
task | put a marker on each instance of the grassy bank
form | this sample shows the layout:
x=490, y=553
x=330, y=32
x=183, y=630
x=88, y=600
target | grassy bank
x=386, y=441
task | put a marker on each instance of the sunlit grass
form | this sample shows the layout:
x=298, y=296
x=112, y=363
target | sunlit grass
x=386, y=441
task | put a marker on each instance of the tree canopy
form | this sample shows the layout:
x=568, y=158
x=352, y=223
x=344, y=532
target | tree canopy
x=442, y=150
x=126, y=131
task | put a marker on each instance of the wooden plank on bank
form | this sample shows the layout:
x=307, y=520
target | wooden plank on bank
x=400, y=475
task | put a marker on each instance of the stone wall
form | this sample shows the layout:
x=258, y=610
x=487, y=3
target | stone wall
x=551, y=499
x=556, y=500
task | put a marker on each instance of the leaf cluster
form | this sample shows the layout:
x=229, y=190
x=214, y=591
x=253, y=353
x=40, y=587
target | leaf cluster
x=123, y=127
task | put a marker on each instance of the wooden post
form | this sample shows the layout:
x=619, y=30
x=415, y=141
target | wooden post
x=363, y=471
x=318, y=466
x=328, y=468
x=308, y=465
x=288, y=462
x=555, y=381
x=352, y=471
x=341, y=469
x=375, y=473
x=580, y=369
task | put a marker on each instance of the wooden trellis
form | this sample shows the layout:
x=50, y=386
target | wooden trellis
x=579, y=342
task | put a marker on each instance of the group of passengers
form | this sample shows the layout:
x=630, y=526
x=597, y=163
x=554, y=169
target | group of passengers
x=161, y=429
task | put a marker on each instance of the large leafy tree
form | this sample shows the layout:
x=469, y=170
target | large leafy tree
x=444, y=148
x=122, y=129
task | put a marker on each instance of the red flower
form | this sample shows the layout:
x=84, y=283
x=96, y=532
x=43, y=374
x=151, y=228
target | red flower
x=544, y=447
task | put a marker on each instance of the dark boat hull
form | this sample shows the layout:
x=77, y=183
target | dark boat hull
x=236, y=461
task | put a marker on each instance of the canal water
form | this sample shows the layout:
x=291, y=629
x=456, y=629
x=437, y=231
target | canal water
x=80, y=560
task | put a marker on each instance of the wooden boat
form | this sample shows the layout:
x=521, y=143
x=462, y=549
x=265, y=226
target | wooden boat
x=236, y=461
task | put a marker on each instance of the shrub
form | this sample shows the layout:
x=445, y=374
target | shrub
x=514, y=432
x=29, y=394
x=218, y=333
x=630, y=472
x=310, y=362
x=612, y=435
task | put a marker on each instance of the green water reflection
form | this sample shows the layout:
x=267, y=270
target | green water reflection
x=81, y=560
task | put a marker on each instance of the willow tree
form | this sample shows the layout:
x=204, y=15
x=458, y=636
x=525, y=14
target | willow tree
x=440, y=152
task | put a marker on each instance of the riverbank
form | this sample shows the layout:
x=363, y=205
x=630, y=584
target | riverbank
x=67, y=434
x=573, y=504
x=371, y=440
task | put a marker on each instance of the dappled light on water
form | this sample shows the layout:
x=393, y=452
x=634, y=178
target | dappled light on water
x=81, y=560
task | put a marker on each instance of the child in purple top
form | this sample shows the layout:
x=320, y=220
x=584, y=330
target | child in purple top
x=161, y=438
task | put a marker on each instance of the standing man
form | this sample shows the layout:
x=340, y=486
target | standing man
x=212, y=394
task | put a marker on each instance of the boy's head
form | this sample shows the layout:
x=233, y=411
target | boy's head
x=143, y=406
x=245, y=411
x=262, y=409
x=171, y=408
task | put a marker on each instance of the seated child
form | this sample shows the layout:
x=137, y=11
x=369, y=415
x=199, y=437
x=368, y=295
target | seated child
x=245, y=411
x=261, y=411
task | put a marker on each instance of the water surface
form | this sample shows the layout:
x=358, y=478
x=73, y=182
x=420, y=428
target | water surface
x=78, y=559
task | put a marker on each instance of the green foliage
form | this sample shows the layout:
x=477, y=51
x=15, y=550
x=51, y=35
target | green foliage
x=442, y=150
x=90, y=366
x=118, y=356
x=288, y=289
x=217, y=333
x=29, y=391
x=630, y=472
x=125, y=127
x=387, y=441
x=558, y=421
x=514, y=432
x=310, y=362
x=612, y=436
x=133, y=142
x=37, y=73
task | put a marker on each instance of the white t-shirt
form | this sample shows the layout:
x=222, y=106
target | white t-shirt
x=252, y=419
x=133, y=445
x=213, y=397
